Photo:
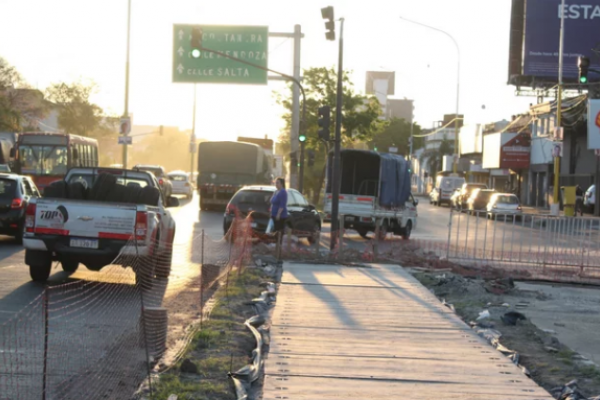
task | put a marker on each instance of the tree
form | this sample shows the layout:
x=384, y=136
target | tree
x=397, y=134
x=360, y=119
x=77, y=114
x=20, y=106
x=435, y=157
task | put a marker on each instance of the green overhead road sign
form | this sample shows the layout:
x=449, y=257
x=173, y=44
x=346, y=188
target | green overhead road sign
x=249, y=43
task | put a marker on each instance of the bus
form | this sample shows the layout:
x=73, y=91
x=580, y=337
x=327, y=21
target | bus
x=46, y=157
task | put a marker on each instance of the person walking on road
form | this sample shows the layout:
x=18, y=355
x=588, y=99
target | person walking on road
x=279, y=212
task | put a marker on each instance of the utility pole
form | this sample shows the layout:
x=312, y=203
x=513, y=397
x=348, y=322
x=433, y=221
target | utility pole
x=335, y=185
x=294, y=180
x=126, y=111
x=193, y=136
x=555, y=201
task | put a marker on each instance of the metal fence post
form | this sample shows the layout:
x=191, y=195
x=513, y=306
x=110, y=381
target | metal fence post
x=449, y=234
x=342, y=230
x=45, y=366
x=201, y=279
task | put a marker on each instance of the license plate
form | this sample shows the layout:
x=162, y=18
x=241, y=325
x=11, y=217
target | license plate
x=85, y=243
x=253, y=225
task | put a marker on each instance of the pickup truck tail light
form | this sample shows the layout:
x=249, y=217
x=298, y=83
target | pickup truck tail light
x=30, y=218
x=141, y=225
x=17, y=203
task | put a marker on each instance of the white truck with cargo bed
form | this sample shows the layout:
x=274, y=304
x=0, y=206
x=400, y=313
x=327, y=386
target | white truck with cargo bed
x=101, y=216
x=374, y=188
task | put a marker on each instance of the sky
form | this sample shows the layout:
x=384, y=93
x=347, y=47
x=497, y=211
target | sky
x=68, y=40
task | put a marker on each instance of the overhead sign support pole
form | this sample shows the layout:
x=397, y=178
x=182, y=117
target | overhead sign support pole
x=555, y=201
x=126, y=111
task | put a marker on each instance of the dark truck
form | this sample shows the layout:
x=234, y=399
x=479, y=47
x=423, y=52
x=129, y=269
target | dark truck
x=225, y=167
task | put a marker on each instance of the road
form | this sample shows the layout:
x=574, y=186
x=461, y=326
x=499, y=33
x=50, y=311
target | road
x=93, y=334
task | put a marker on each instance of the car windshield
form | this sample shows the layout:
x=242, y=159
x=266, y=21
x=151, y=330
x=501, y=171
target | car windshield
x=8, y=188
x=254, y=199
x=43, y=160
x=507, y=200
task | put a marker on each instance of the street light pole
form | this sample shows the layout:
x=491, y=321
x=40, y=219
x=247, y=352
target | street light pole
x=193, y=136
x=126, y=111
x=555, y=202
x=455, y=164
x=335, y=181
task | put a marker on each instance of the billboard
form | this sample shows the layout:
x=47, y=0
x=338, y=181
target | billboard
x=516, y=153
x=534, y=40
x=593, y=124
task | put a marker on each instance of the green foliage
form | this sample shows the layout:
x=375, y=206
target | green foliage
x=360, y=120
x=397, y=134
x=77, y=115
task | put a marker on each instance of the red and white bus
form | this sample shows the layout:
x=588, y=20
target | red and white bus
x=46, y=157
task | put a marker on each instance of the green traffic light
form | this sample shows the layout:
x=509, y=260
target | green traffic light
x=583, y=79
x=302, y=138
x=196, y=53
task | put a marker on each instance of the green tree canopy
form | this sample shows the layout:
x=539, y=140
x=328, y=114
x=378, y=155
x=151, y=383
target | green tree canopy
x=397, y=134
x=360, y=119
x=77, y=114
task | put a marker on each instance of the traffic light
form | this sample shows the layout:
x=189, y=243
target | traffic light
x=311, y=157
x=302, y=137
x=324, y=122
x=327, y=14
x=584, y=64
x=196, y=41
x=375, y=149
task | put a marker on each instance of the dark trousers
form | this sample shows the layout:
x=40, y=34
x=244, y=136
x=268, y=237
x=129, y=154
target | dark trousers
x=279, y=227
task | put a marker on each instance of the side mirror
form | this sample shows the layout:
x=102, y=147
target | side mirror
x=172, y=202
x=13, y=152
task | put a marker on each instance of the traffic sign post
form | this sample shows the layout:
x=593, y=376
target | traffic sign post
x=125, y=126
x=125, y=140
x=249, y=43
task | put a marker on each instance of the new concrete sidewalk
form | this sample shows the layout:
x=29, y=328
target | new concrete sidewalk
x=376, y=333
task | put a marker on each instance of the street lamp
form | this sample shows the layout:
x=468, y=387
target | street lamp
x=457, y=85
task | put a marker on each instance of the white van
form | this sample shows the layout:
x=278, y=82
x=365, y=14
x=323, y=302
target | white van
x=446, y=185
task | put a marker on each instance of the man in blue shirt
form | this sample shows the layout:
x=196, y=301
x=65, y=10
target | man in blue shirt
x=279, y=212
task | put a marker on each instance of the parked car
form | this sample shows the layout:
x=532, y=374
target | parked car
x=181, y=183
x=479, y=200
x=446, y=185
x=460, y=201
x=589, y=200
x=159, y=172
x=303, y=219
x=503, y=205
x=5, y=168
x=15, y=193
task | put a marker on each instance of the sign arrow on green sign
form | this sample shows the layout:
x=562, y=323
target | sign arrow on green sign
x=249, y=43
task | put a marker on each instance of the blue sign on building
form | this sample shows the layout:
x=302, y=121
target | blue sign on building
x=542, y=34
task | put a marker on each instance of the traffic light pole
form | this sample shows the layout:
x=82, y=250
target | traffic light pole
x=126, y=111
x=193, y=137
x=335, y=184
x=286, y=76
x=301, y=177
x=555, y=201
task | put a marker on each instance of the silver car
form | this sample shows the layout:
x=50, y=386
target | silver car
x=504, y=205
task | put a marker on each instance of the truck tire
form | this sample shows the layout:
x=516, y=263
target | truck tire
x=118, y=194
x=40, y=264
x=69, y=266
x=149, y=196
x=102, y=187
x=56, y=190
x=132, y=193
x=363, y=232
x=77, y=191
x=406, y=231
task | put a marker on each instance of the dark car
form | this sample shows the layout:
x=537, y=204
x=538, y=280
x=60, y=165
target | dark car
x=479, y=200
x=463, y=196
x=303, y=219
x=163, y=180
x=15, y=192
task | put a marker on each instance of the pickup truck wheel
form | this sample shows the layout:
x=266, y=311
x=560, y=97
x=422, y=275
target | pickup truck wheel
x=163, y=265
x=69, y=266
x=40, y=264
x=20, y=233
x=407, y=231
x=363, y=233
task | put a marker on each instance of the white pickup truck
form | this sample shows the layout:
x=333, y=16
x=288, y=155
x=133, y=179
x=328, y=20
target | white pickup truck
x=97, y=220
x=374, y=187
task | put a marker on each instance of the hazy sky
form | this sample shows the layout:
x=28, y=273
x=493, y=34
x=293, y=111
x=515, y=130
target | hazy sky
x=65, y=40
